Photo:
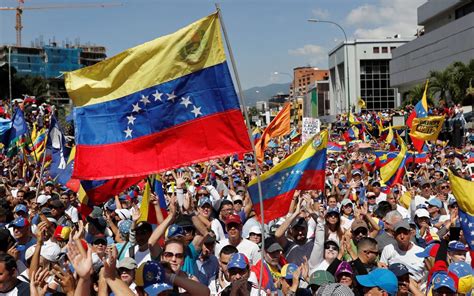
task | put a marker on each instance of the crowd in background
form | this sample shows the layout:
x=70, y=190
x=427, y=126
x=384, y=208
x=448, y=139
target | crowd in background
x=355, y=237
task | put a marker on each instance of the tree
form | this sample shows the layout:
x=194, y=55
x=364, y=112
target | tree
x=442, y=84
x=21, y=85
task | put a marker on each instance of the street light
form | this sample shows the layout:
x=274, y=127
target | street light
x=346, y=54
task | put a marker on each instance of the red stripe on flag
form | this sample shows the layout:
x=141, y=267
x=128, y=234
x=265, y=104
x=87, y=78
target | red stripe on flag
x=312, y=180
x=196, y=141
x=275, y=207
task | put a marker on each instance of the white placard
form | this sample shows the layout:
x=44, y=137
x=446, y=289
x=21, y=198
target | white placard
x=311, y=126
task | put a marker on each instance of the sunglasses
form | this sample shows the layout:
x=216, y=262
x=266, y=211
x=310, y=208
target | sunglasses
x=371, y=252
x=371, y=197
x=332, y=248
x=238, y=202
x=444, y=187
x=100, y=243
x=170, y=255
x=201, y=194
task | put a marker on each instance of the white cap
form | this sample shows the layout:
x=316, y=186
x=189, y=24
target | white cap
x=422, y=213
x=254, y=229
x=236, y=197
x=43, y=199
x=123, y=214
x=219, y=172
x=50, y=251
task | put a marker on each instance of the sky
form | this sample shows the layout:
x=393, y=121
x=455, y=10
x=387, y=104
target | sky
x=266, y=36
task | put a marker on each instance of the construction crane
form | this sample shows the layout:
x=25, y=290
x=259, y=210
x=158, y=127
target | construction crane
x=19, y=11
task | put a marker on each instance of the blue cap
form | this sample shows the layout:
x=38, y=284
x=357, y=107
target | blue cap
x=238, y=260
x=398, y=269
x=174, y=230
x=332, y=210
x=124, y=226
x=460, y=269
x=356, y=172
x=343, y=178
x=435, y=202
x=287, y=270
x=204, y=200
x=19, y=222
x=430, y=251
x=379, y=277
x=111, y=206
x=443, y=280
x=456, y=246
x=20, y=207
x=151, y=276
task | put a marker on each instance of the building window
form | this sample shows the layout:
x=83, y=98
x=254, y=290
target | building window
x=384, y=49
x=375, y=85
x=376, y=49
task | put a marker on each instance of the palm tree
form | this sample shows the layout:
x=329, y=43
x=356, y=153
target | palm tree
x=442, y=83
x=414, y=95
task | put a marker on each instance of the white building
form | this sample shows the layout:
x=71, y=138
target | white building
x=448, y=37
x=369, y=74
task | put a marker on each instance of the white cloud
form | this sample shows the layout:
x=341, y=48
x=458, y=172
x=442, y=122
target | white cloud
x=320, y=13
x=315, y=54
x=385, y=18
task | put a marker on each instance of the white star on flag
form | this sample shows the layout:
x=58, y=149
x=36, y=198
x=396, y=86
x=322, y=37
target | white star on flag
x=136, y=108
x=131, y=119
x=196, y=111
x=145, y=100
x=128, y=132
x=185, y=101
x=157, y=96
x=171, y=97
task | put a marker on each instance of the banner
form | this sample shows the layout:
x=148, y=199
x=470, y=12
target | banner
x=427, y=128
x=311, y=126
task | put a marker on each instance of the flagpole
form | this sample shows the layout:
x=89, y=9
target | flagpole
x=247, y=122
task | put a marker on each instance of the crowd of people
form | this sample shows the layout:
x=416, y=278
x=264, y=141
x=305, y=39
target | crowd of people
x=355, y=237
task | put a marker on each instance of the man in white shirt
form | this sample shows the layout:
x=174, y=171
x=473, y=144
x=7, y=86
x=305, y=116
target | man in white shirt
x=233, y=225
x=404, y=251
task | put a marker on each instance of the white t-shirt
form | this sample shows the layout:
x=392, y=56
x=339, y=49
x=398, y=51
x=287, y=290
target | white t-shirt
x=140, y=257
x=392, y=254
x=216, y=227
x=245, y=247
x=73, y=213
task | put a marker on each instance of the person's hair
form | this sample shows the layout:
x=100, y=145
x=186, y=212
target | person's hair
x=228, y=250
x=383, y=208
x=174, y=240
x=393, y=214
x=366, y=242
x=21, y=190
x=339, y=231
x=9, y=261
x=29, y=195
x=224, y=203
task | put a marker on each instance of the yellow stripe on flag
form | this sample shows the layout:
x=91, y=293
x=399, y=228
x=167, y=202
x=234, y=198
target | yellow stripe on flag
x=463, y=191
x=390, y=169
x=190, y=49
x=145, y=205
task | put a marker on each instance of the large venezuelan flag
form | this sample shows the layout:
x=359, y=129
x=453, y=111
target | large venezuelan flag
x=463, y=191
x=163, y=104
x=302, y=170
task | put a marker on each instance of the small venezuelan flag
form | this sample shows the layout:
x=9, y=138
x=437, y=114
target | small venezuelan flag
x=302, y=170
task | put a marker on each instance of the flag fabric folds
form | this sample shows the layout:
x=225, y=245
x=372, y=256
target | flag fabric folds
x=38, y=142
x=5, y=125
x=147, y=211
x=99, y=191
x=427, y=128
x=463, y=191
x=351, y=134
x=160, y=194
x=279, y=126
x=420, y=111
x=164, y=104
x=15, y=136
x=56, y=147
x=302, y=170
x=392, y=172
x=334, y=147
x=361, y=103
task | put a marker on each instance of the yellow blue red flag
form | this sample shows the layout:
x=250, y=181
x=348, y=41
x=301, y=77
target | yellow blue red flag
x=463, y=191
x=393, y=171
x=160, y=105
x=305, y=169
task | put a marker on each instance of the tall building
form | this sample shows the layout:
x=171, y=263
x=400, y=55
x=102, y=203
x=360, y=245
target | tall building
x=368, y=76
x=303, y=77
x=447, y=37
x=317, y=103
x=50, y=62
